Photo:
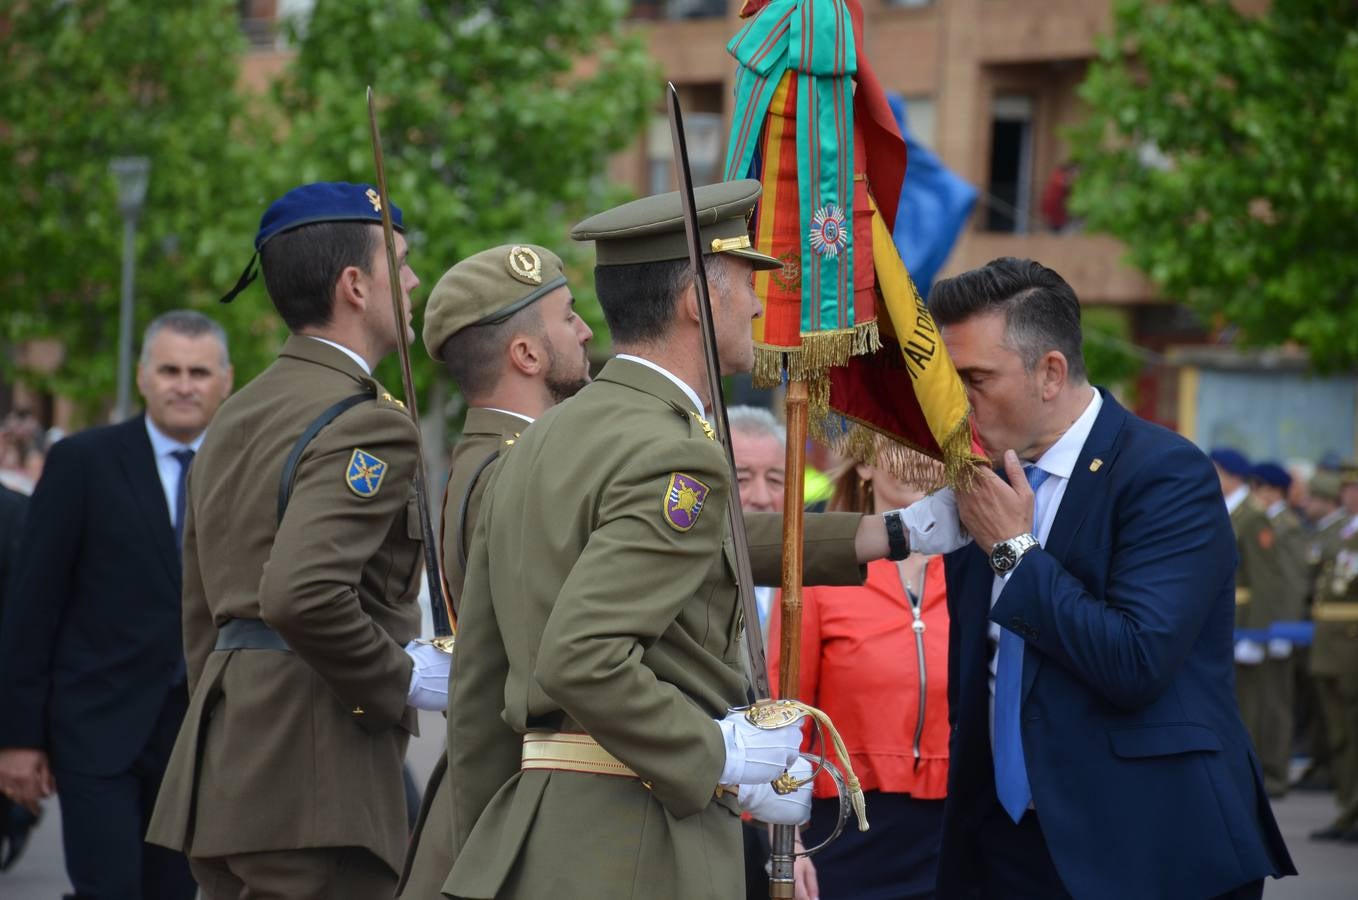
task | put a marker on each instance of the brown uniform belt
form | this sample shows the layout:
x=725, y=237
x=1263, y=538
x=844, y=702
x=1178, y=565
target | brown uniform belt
x=566, y=751
x=1335, y=612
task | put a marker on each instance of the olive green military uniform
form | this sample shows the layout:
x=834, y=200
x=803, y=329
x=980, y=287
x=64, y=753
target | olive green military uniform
x=1334, y=666
x=486, y=433
x=616, y=623
x=1273, y=569
x=287, y=754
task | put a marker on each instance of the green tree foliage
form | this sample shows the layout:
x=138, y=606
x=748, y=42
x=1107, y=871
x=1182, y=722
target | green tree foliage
x=84, y=82
x=497, y=118
x=1222, y=148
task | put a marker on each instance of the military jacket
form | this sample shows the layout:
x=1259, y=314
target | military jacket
x=600, y=597
x=486, y=433
x=1335, y=649
x=1272, y=567
x=286, y=750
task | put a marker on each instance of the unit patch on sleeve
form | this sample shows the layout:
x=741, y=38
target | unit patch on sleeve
x=364, y=474
x=683, y=503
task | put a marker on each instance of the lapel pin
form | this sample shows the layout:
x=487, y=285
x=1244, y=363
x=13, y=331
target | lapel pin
x=1095, y=464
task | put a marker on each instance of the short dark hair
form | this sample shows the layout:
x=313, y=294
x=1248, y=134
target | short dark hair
x=1041, y=312
x=301, y=267
x=638, y=299
x=474, y=356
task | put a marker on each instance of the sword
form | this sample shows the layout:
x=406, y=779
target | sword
x=440, y=606
x=781, y=884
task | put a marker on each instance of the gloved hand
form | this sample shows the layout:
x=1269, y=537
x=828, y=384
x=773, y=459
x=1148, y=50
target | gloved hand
x=1279, y=648
x=933, y=524
x=1249, y=653
x=755, y=755
x=767, y=805
x=428, y=677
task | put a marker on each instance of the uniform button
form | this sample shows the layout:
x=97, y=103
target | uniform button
x=358, y=710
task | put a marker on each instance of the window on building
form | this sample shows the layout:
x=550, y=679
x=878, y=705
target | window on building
x=1009, y=198
x=706, y=144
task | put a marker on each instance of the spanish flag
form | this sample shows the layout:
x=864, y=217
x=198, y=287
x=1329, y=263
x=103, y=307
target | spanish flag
x=812, y=123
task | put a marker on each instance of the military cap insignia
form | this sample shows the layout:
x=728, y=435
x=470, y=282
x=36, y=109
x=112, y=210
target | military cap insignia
x=374, y=199
x=365, y=473
x=525, y=264
x=684, y=499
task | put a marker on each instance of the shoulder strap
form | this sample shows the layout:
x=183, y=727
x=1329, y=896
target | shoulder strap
x=290, y=467
x=462, y=510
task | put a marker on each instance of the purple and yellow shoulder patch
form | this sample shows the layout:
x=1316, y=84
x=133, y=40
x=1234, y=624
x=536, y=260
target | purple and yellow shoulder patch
x=684, y=499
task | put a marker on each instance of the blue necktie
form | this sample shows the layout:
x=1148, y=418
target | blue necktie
x=1011, y=774
x=181, y=497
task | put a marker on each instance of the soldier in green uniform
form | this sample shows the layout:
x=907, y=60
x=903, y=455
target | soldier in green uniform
x=302, y=562
x=1334, y=661
x=503, y=323
x=591, y=753
x=1273, y=564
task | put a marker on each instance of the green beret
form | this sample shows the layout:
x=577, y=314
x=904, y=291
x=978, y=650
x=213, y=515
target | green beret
x=1325, y=484
x=652, y=229
x=487, y=288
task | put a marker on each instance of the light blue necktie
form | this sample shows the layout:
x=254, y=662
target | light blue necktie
x=1011, y=774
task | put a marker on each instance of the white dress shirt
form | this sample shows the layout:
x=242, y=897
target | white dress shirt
x=1058, y=462
x=1236, y=497
x=509, y=412
x=362, y=363
x=678, y=382
x=167, y=467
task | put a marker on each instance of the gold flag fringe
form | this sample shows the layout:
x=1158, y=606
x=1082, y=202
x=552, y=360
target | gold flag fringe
x=816, y=353
x=904, y=459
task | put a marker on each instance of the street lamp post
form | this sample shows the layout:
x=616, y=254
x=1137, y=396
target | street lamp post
x=132, y=173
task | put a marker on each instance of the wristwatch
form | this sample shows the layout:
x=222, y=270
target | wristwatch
x=1006, y=554
x=898, y=543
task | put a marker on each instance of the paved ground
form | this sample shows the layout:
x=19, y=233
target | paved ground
x=1328, y=871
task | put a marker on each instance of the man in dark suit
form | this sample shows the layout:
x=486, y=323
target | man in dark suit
x=1097, y=750
x=91, y=660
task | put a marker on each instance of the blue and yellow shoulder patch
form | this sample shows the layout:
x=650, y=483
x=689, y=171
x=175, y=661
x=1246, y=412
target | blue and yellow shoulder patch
x=684, y=499
x=365, y=473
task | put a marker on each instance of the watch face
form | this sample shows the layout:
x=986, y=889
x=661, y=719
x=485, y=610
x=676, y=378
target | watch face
x=1002, y=557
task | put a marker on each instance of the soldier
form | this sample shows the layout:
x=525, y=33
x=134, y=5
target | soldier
x=1325, y=518
x=302, y=562
x=1272, y=558
x=590, y=750
x=503, y=323
x=1334, y=661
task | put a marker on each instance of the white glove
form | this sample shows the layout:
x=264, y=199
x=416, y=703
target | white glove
x=933, y=524
x=767, y=805
x=755, y=755
x=1279, y=648
x=1249, y=653
x=428, y=677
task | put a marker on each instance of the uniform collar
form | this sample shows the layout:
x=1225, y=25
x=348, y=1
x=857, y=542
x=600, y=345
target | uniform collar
x=1236, y=497
x=362, y=363
x=678, y=382
x=329, y=354
x=507, y=412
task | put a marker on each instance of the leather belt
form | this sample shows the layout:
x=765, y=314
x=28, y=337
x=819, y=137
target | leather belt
x=567, y=751
x=249, y=634
x=1335, y=612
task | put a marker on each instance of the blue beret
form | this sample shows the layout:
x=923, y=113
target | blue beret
x=1230, y=461
x=324, y=201
x=311, y=204
x=1272, y=474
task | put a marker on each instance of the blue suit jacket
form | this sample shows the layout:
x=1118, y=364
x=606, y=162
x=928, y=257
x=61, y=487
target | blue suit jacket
x=1142, y=774
x=91, y=641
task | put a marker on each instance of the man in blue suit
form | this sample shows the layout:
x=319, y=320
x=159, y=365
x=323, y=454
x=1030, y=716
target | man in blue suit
x=91, y=661
x=1097, y=750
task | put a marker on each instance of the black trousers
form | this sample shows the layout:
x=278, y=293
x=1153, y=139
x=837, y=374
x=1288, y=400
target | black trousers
x=104, y=818
x=1018, y=865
